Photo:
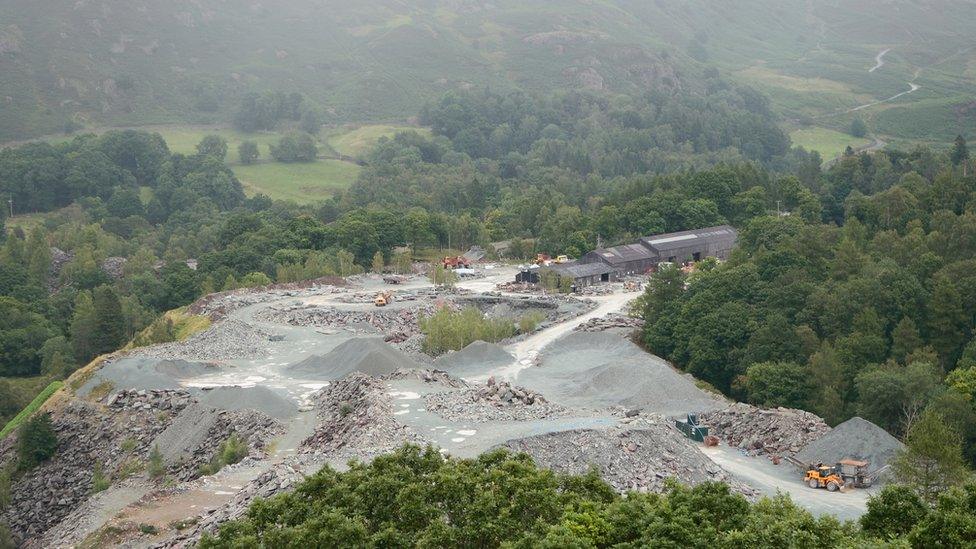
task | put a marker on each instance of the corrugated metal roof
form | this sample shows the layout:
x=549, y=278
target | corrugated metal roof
x=673, y=241
x=626, y=253
x=579, y=270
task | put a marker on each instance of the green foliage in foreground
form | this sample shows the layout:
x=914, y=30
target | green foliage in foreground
x=31, y=408
x=419, y=498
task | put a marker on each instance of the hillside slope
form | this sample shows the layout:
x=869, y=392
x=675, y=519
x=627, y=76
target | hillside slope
x=135, y=62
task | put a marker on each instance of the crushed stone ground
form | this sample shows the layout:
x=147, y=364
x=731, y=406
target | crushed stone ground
x=598, y=370
x=370, y=356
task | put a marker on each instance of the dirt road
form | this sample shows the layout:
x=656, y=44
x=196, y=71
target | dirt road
x=761, y=474
x=528, y=349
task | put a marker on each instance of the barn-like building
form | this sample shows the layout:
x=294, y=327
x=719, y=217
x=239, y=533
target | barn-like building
x=677, y=247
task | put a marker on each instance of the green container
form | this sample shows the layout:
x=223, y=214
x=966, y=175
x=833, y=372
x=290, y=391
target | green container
x=694, y=432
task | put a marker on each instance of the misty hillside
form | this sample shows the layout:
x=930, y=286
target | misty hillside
x=136, y=62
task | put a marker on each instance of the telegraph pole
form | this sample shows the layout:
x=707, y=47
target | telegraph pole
x=10, y=202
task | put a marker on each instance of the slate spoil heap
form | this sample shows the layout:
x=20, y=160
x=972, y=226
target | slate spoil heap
x=356, y=421
x=777, y=431
x=639, y=455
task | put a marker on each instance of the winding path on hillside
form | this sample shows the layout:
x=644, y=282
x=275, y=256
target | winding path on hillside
x=879, y=60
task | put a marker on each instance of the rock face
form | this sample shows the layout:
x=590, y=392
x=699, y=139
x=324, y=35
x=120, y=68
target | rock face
x=778, y=431
x=116, y=436
x=639, y=456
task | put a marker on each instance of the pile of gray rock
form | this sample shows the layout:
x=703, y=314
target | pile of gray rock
x=610, y=322
x=219, y=305
x=494, y=401
x=639, y=456
x=402, y=322
x=776, y=431
x=227, y=340
x=356, y=421
x=161, y=400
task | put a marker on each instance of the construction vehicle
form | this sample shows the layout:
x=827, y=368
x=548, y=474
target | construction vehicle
x=456, y=262
x=560, y=259
x=692, y=428
x=855, y=473
x=542, y=259
x=383, y=299
x=823, y=476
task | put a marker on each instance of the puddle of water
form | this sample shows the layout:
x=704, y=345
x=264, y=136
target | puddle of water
x=405, y=395
x=467, y=432
x=459, y=439
x=401, y=412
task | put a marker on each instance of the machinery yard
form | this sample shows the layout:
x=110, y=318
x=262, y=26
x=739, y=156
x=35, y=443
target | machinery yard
x=321, y=375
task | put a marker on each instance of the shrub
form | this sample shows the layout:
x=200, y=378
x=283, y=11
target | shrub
x=100, y=482
x=130, y=468
x=231, y=451
x=128, y=445
x=156, y=467
x=248, y=152
x=450, y=330
x=530, y=321
x=36, y=442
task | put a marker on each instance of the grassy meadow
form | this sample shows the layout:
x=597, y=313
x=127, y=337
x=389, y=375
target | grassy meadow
x=829, y=143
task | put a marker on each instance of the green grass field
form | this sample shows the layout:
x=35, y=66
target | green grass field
x=34, y=405
x=358, y=141
x=184, y=139
x=301, y=182
x=829, y=143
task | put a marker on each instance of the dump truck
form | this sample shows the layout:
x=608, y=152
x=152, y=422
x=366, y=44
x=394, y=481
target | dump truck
x=823, y=476
x=382, y=299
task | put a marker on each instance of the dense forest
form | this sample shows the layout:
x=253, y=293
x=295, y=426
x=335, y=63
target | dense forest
x=874, y=317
